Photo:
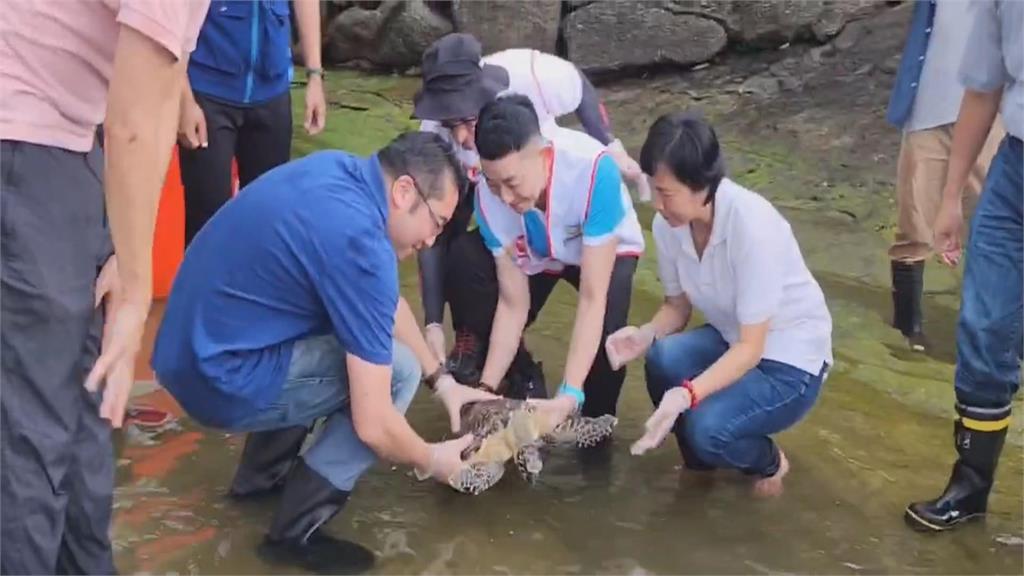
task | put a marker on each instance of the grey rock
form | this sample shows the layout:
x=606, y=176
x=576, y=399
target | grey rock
x=762, y=85
x=890, y=65
x=409, y=33
x=865, y=69
x=837, y=13
x=614, y=35
x=771, y=23
x=850, y=36
x=394, y=35
x=790, y=82
x=510, y=24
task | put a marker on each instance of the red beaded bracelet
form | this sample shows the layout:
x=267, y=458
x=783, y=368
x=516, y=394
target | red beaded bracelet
x=693, y=395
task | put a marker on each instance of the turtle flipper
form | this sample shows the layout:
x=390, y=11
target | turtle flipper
x=476, y=477
x=529, y=462
x=590, y=432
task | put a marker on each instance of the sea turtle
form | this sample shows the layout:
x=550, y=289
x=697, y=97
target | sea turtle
x=505, y=429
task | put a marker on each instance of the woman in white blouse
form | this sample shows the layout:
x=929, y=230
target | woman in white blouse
x=757, y=366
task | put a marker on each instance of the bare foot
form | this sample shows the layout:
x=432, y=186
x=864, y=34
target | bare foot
x=771, y=486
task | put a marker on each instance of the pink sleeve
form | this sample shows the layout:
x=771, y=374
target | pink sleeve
x=173, y=24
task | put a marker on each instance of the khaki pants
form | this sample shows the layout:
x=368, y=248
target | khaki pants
x=920, y=178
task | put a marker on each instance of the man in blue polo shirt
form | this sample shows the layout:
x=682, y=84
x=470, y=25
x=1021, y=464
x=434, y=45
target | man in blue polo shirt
x=278, y=328
x=237, y=104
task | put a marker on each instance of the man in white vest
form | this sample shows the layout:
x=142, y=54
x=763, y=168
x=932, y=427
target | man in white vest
x=553, y=207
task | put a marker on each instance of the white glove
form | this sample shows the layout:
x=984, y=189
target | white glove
x=643, y=189
x=445, y=459
x=454, y=395
x=630, y=169
x=434, y=335
x=628, y=344
x=673, y=403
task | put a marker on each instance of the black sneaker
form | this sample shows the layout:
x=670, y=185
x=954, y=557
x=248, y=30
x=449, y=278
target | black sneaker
x=464, y=362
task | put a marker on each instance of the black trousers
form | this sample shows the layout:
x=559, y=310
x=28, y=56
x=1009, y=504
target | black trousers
x=259, y=137
x=471, y=289
x=57, y=455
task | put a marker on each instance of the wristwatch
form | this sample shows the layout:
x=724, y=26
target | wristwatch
x=314, y=72
x=431, y=379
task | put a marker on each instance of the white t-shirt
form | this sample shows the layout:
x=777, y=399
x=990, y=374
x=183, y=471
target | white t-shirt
x=751, y=271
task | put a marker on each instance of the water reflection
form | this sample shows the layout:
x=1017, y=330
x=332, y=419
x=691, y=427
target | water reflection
x=856, y=461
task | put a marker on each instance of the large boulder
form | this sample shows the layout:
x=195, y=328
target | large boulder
x=769, y=23
x=611, y=35
x=510, y=23
x=394, y=34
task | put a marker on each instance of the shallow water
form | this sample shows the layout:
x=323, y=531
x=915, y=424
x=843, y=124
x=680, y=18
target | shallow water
x=879, y=437
x=856, y=460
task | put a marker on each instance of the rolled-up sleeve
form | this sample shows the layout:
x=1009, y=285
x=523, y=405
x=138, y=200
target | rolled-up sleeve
x=983, y=68
x=173, y=24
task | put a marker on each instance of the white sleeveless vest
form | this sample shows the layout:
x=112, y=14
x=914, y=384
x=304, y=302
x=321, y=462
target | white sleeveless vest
x=572, y=183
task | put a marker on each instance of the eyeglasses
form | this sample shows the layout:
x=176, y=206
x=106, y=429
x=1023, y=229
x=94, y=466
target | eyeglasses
x=439, y=223
x=451, y=124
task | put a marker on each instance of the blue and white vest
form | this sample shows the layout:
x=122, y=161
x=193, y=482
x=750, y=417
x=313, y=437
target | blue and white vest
x=576, y=155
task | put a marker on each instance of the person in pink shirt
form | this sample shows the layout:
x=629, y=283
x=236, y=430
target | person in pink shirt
x=67, y=362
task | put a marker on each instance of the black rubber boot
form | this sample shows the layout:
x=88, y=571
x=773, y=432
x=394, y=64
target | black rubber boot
x=978, y=435
x=907, y=290
x=266, y=460
x=296, y=537
x=465, y=360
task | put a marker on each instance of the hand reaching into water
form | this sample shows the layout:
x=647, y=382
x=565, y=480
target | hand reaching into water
x=672, y=404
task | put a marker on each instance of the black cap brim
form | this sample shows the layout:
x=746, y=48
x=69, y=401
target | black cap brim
x=431, y=103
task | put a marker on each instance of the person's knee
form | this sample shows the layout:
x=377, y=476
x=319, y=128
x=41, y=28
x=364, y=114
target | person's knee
x=406, y=374
x=656, y=371
x=705, y=435
x=667, y=363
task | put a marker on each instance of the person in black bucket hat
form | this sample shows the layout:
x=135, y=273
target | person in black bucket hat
x=457, y=82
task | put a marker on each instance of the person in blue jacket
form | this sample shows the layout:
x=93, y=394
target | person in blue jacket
x=237, y=104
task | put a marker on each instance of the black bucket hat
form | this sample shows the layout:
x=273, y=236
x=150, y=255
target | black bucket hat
x=455, y=85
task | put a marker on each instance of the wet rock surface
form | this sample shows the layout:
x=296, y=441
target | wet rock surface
x=601, y=35
x=501, y=25
x=606, y=36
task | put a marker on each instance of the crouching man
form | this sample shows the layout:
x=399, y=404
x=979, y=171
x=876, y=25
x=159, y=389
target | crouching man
x=285, y=310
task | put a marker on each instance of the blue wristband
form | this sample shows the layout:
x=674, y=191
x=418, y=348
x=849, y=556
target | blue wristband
x=574, y=392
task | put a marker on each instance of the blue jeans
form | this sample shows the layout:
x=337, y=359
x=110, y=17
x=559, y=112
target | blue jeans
x=730, y=428
x=317, y=385
x=988, y=335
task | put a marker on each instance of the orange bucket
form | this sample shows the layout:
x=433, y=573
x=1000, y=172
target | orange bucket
x=169, y=236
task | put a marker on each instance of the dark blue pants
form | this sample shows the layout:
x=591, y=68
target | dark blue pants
x=57, y=455
x=731, y=428
x=988, y=337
